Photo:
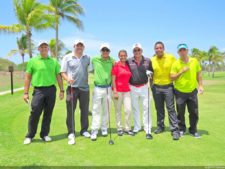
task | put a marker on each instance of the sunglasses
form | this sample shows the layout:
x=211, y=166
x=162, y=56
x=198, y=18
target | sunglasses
x=105, y=50
x=137, y=50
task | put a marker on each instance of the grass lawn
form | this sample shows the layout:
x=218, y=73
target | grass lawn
x=127, y=151
x=5, y=83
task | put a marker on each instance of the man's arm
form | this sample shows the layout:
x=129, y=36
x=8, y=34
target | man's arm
x=60, y=84
x=200, y=83
x=27, y=82
x=175, y=76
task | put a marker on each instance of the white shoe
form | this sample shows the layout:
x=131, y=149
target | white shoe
x=27, y=141
x=136, y=130
x=104, y=132
x=71, y=139
x=86, y=134
x=94, y=134
x=47, y=139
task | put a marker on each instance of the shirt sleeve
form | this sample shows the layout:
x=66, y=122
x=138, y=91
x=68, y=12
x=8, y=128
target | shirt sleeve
x=91, y=66
x=198, y=66
x=114, y=70
x=150, y=65
x=29, y=68
x=173, y=69
x=64, y=65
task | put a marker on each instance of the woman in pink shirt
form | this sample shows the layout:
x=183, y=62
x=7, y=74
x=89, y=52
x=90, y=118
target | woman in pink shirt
x=121, y=93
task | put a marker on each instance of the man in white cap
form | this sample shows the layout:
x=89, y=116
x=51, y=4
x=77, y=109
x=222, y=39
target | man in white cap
x=74, y=70
x=139, y=65
x=42, y=72
x=102, y=66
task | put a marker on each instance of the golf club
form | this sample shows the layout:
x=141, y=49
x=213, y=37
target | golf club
x=149, y=74
x=111, y=142
x=71, y=100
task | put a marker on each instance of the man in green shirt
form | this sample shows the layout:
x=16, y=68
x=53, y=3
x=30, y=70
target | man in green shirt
x=42, y=72
x=102, y=66
x=187, y=76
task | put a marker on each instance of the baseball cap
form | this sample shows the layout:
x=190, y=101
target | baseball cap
x=42, y=42
x=182, y=46
x=137, y=45
x=104, y=45
x=78, y=41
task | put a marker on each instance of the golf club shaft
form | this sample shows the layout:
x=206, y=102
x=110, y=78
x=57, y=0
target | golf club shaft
x=110, y=132
x=71, y=100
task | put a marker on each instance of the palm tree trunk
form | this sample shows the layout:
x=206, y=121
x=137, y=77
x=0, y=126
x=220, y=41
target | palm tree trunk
x=56, y=39
x=23, y=66
x=213, y=70
x=28, y=32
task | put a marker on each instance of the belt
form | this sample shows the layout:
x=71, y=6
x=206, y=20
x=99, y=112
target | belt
x=164, y=86
x=43, y=87
x=102, y=86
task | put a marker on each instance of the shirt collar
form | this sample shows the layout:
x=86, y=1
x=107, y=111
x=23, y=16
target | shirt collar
x=40, y=57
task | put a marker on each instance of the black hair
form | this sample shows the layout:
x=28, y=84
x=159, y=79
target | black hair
x=159, y=43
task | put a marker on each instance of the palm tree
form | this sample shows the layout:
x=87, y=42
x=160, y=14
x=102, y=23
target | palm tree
x=30, y=15
x=21, y=47
x=52, y=46
x=68, y=10
x=215, y=57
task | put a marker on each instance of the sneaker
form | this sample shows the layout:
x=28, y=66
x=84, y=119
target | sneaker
x=129, y=132
x=86, y=134
x=182, y=133
x=176, y=136
x=136, y=131
x=94, y=134
x=104, y=132
x=71, y=139
x=149, y=136
x=120, y=132
x=159, y=130
x=47, y=139
x=27, y=141
x=195, y=135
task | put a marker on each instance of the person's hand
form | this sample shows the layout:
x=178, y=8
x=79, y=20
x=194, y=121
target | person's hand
x=200, y=90
x=115, y=95
x=26, y=97
x=61, y=95
x=185, y=69
x=71, y=81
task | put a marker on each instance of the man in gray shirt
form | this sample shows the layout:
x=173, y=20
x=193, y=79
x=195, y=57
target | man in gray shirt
x=74, y=70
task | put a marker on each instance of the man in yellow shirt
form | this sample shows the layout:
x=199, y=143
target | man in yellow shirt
x=163, y=91
x=187, y=76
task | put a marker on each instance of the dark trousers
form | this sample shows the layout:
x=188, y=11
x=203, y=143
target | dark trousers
x=43, y=100
x=83, y=97
x=191, y=100
x=165, y=95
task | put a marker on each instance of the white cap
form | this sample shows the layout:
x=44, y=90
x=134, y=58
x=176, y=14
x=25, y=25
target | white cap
x=78, y=41
x=42, y=42
x=104, y=45
x=137, y=45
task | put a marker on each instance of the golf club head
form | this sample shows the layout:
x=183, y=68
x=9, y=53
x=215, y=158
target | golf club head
x=111, y=142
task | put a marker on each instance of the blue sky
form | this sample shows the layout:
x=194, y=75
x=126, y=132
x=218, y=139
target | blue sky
x=199, y=23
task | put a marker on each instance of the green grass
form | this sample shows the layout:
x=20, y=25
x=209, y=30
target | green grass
x=127, y=151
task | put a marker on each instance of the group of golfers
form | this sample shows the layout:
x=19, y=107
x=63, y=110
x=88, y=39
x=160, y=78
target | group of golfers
x=127, y=82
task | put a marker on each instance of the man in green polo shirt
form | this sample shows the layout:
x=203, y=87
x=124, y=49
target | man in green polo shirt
x=42, y=72
x=102, y=66
x=187, y=76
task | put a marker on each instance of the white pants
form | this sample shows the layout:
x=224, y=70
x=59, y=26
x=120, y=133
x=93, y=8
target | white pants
x=100, y=114
x=124, y=99
x=142, y=94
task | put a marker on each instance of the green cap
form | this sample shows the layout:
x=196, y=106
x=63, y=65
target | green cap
x=182, y=46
